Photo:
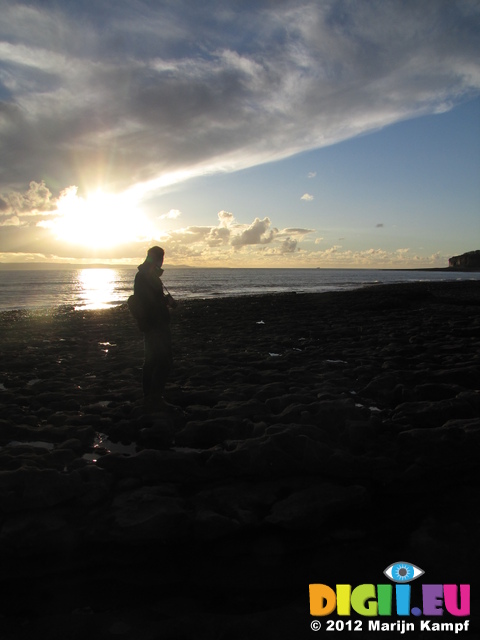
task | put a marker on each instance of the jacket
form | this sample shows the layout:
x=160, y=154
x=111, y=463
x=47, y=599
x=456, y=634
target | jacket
x=148, y=288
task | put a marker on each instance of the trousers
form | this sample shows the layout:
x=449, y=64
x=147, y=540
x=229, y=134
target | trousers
x=158, y=361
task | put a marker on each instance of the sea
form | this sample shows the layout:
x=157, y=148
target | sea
x=99, y=288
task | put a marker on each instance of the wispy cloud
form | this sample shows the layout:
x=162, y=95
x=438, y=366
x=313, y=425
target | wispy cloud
x=130, y=95
x=307, y=197
x=173, y=214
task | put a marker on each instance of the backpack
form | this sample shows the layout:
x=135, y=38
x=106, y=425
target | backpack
x=136, y=307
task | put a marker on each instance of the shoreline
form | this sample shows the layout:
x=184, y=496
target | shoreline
x=444, y=269
x=306, y=424
x=65, y=308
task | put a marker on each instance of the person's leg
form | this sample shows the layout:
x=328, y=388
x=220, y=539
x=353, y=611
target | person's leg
x=148, y=365
x=158, y=363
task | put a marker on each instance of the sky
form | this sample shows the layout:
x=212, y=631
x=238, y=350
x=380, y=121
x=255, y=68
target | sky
x=240, y=133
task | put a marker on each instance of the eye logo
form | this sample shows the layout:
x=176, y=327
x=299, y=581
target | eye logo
x=402, y=572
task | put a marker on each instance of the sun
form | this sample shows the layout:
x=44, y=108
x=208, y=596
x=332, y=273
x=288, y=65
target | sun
x=100, y=220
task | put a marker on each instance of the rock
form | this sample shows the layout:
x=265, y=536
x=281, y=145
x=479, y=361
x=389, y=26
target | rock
x=209, y=525
x=241, y=502
x=49, y=488
x=149, y=514
x=382, y=386
x=271, y=390
x=331, y=415
x=74, y=444
x=434, y=392
x=208, y=433
x=155, y=437
x=360, y=433
x=431, y=414
x=97, y=485
x=253, y=409
x=314, y=506
x=453, y=433
x=33, y=533
x=467, y=377
x=152, y=466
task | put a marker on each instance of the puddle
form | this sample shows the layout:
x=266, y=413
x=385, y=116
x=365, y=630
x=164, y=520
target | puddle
x=102, y=446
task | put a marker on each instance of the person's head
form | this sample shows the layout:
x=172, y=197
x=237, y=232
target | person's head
x=155, y=257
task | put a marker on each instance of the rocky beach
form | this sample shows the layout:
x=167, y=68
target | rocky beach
x=316, y=438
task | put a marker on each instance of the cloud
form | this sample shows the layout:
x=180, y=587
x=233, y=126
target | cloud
x=14, y=221
x=228, y=243
x=150, y=93
x=374, y=258
x=312, y=174
x=257, y=240
x=190, y=235
x=307, y=197
x=379, y=226
x=295, y=231
x=218, y=236
x=173, y=214
x=258, y=232
x=226, y=218
x=36, y=200
x=289, y=245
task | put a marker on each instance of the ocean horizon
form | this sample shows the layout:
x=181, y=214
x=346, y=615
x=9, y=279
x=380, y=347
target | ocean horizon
x=95, y=287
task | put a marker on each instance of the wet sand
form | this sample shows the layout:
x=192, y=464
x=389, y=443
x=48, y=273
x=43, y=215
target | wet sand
x=318, y=438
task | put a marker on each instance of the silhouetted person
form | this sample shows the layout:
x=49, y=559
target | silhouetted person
x=155, y=324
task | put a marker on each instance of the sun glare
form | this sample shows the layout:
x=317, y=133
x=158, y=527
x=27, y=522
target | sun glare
x=96, y=288
x=100, y=220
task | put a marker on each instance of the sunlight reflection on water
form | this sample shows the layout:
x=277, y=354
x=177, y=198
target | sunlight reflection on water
x=96, y=288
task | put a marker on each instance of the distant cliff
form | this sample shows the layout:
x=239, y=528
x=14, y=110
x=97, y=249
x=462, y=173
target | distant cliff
x=469, y=260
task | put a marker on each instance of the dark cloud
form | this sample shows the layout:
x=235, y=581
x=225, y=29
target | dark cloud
x=113, y=93
x=289, y=245
x=218, y=236
x=27, y=208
